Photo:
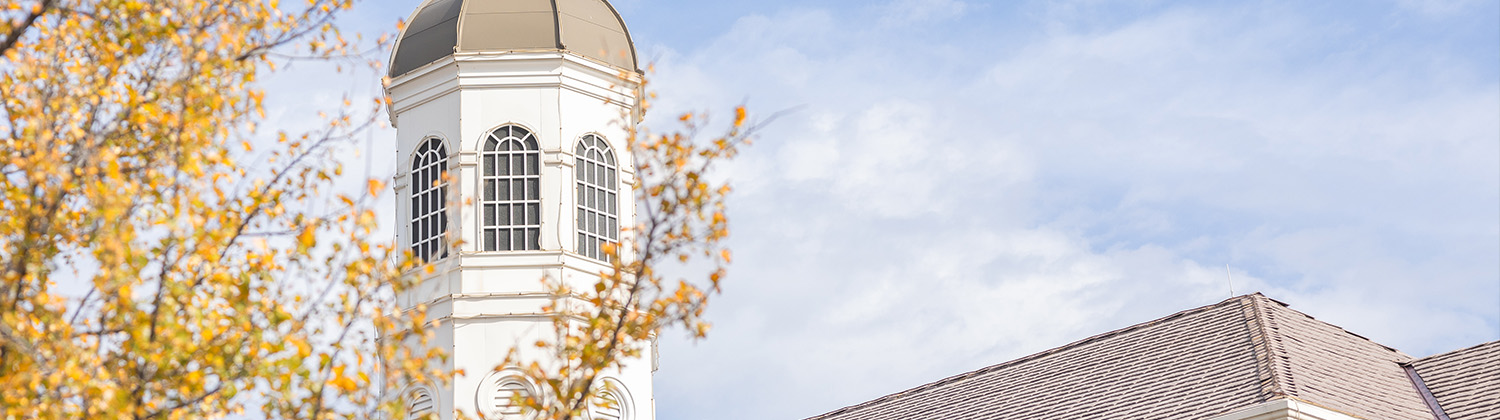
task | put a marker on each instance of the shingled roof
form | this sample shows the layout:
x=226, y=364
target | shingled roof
x=1195, y=364
x=1466, y=382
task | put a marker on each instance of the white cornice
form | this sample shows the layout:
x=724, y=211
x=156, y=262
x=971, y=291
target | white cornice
x=1284, y=409
x=511, y=69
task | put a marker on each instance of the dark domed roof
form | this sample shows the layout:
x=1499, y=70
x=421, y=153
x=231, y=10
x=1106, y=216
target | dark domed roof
x=591, y=28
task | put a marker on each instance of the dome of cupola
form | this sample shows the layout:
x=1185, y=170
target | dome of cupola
x=440, y=28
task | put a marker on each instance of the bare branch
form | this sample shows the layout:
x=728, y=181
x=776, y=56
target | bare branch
x=19, y=30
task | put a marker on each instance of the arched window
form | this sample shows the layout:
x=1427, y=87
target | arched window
x=511, y=204
x=598, y=202
x=429, y=200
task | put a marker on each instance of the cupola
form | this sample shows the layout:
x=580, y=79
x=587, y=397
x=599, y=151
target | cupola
x=441, y=28
x=513, y=124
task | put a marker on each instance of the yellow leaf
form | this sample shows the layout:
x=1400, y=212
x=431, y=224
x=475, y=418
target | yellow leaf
x=374, y=187
x=308, y=237
x=346, y=384
x=303, y=349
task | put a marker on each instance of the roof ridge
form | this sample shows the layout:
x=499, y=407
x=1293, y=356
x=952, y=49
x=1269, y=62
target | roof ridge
x=1285, y=335
x=1266, y=355
x=992, y=368
x=557, y=26
x=1362, y=338
x=1452, y=352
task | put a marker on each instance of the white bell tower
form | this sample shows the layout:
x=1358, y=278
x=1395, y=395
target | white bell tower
x=510, y=122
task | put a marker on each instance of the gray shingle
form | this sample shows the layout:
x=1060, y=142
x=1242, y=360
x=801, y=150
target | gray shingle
x=1465, y=382
x=1194, y=364
x=1321, y=363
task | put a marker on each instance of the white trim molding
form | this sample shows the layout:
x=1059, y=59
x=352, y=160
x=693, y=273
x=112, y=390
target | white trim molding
x=1285, y=409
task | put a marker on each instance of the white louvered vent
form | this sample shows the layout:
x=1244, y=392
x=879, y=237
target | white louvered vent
x=504, y=399
x=419, y=404
x=608, y=408
x=611, y=404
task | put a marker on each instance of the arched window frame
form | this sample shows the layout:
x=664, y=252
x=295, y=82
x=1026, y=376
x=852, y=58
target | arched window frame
x=611, y=401
x=597, y=179
x=429, y=200
x=493, y=398
x=510, y=202
x=420, y=402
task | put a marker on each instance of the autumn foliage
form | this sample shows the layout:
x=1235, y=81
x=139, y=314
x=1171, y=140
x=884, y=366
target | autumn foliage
x=160, y=256
x=675, y=261
x=164, y=256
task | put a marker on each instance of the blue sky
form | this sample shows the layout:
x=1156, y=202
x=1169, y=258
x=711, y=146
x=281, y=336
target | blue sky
x=960, y=183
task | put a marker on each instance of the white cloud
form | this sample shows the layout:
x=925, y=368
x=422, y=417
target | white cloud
x=898, y=12
x=1439, y=7
x=938, y=203
x=923, y=213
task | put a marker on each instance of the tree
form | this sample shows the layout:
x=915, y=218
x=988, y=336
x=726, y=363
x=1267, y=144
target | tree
x=161, y=258
x=681, y=221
